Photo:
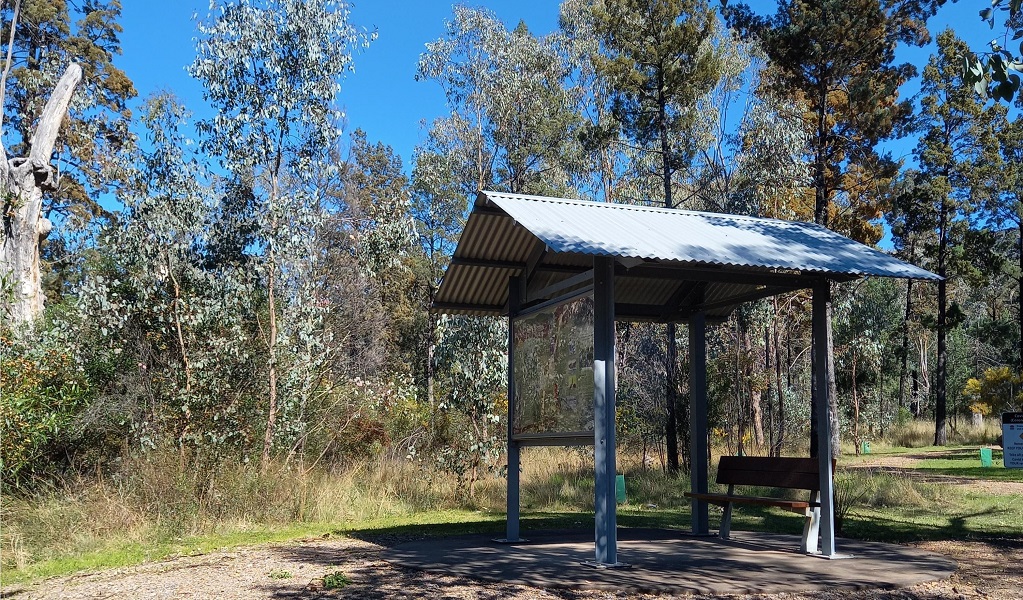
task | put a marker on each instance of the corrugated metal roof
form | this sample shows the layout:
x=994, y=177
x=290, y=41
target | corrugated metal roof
x=663, y=254
x=626, y=231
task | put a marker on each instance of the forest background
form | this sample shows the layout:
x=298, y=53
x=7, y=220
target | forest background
x=248, y=290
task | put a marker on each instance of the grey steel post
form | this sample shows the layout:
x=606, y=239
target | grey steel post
x=512, y=518
x=821, y=299
x=604, y=410
x=698, y=452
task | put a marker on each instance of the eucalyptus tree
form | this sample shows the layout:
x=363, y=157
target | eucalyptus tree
x=657, y=57
x=474, y=383
x=866, y=325
x=176, y=325
x=511, y=118
x=272, y=70
x=957, y=138
x=40, y=38
x=510, y=128
x=439, y=219
x=606, y=153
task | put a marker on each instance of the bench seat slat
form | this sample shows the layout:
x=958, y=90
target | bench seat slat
x=722, y=499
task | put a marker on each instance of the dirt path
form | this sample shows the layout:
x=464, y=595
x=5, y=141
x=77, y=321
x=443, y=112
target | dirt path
x=987, y=570
x=907, y=465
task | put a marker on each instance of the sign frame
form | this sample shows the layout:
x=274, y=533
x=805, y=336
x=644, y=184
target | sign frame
x=1012, y=440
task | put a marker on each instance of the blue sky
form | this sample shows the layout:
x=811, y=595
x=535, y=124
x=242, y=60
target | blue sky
x=382, y=96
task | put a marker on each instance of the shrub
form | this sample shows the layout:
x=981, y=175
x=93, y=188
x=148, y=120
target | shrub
x=42, y=392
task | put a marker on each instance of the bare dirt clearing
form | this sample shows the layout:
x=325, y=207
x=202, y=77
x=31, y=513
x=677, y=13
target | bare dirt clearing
x=987, y=570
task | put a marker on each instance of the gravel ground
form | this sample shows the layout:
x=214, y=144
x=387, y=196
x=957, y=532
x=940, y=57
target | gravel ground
x=988, y=570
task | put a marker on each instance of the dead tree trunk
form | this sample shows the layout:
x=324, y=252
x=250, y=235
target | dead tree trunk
x=22, y=183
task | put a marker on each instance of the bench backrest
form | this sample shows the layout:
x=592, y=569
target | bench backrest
x=769, y=471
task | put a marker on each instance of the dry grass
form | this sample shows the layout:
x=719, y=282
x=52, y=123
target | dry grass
x=920, y=434
x=160, y=498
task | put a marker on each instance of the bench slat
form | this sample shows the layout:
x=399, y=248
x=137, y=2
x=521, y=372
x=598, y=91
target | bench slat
x=722, y=499
x=784, y=472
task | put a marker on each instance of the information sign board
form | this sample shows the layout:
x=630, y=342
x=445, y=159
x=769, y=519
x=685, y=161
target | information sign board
x=1012, y=440
x=553, y=370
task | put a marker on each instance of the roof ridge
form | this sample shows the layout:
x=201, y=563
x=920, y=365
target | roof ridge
x=641, y=207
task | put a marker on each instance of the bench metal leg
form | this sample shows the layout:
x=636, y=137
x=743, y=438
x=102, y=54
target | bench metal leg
x=726, y=523
x=811, y=531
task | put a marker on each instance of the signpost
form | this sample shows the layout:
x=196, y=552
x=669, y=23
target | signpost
x=1012, y=440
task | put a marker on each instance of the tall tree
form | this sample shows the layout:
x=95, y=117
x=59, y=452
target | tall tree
x=22, y=183
x=510, y=129
x=606, y=153
x=658, y=57
x=272, y=69
x=40, y=38
x=836, y=58
x=1007, y=209
x=511, y=119
x=957, y=139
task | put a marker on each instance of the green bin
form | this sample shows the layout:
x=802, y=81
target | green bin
x=620, y=489
x=985, y=457
x=866, y=447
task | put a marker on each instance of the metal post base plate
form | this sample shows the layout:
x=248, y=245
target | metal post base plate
x=598, y=565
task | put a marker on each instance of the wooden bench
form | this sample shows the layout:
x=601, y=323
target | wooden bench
x=765, y=471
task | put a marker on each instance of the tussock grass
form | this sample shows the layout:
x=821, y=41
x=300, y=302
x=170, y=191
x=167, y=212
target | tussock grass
x=920, y=434
x=161, y=506
x=880, y=489
x=161, y=502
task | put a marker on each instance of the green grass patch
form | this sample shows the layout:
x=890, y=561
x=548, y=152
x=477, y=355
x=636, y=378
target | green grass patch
x=962, y=516
x=336, y=581
x=120, y=553
x=965, y=462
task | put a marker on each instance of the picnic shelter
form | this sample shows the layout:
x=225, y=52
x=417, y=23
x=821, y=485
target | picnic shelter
x=557, y=264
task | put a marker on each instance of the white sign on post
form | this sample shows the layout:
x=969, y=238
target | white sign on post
x=1012, y=440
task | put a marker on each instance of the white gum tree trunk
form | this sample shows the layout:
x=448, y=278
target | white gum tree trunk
x=22, y=183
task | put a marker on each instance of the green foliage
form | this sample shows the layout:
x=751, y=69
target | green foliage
x=49, y=34
x=336, y=581
x=836, y=59
x=998, y=390
x=511, y=119
x=473, y=355
x=43, y=391
x=273, y=71
x=659, y=62
x=994, y=74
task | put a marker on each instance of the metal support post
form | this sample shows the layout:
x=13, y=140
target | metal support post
x=604, y=411
x=698, y=451
x=821, y=300
x=512, y=515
